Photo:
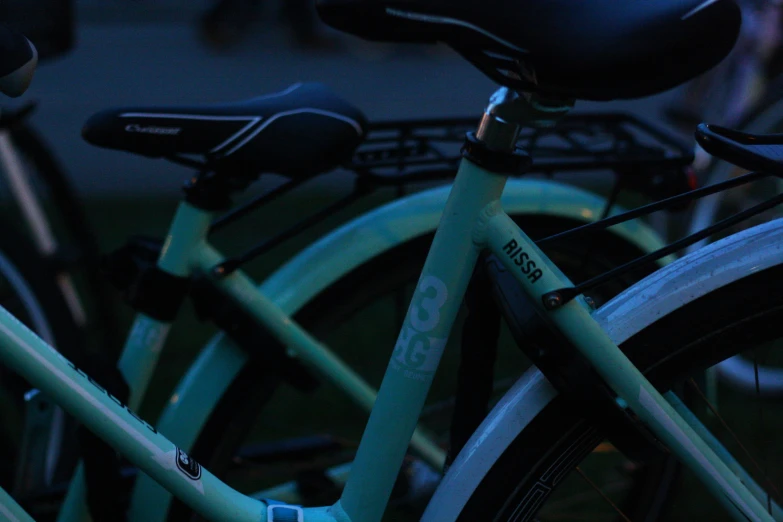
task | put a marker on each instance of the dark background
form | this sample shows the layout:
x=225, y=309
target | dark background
x=147, y=52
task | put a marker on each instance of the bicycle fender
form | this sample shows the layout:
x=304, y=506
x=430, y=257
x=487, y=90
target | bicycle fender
x=327, y=260
x=662, y=292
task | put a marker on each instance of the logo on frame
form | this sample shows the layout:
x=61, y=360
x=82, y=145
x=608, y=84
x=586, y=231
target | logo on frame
x=188, y=466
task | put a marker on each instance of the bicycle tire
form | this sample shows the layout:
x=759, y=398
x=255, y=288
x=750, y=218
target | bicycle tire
x=697, y=335
x=42, y=308
x=76, y=232
x=250, y=392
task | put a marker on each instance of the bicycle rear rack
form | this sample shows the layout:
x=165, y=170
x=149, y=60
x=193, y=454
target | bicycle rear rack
x=642, y=157
x=407, y=151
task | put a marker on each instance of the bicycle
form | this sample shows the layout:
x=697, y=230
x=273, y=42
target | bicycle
x=39, y=188
x=50, y=273
x=365, y=496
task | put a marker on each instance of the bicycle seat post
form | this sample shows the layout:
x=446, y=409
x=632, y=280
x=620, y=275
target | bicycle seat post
x=509, y=110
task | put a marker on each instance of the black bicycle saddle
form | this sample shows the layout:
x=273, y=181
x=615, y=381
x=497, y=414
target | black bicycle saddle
x=301, y=131
x=592, y=50
x=18, y=59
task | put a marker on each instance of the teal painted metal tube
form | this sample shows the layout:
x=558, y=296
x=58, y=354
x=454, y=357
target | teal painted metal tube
x=416, y=355
x=187, y=411
x=74, y=506
x=137, y=364
x=140, y=355
x=187, y=232
x=115, y=423
x=147, y=336
x=10, y=510
x=139, y=358
x=309, y=349
x=523, y=259
x=723, y=453
x=141, y=351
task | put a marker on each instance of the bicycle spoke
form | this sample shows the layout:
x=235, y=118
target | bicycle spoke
x=761, y=423
x=603, y=495
x=568, y=503
x=736, y=439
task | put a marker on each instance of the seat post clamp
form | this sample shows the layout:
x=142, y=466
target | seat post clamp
x=510, y=163
x=211, y=191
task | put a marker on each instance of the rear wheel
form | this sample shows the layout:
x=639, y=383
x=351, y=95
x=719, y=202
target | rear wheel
x=78, y=270
x=359, y=317
x=552, y=466
x=29, y=291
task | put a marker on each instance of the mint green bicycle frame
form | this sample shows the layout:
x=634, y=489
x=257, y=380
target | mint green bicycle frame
x=472, y=221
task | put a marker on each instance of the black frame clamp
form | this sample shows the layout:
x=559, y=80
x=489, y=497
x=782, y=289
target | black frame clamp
x=512, y=163
x=133, y=270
